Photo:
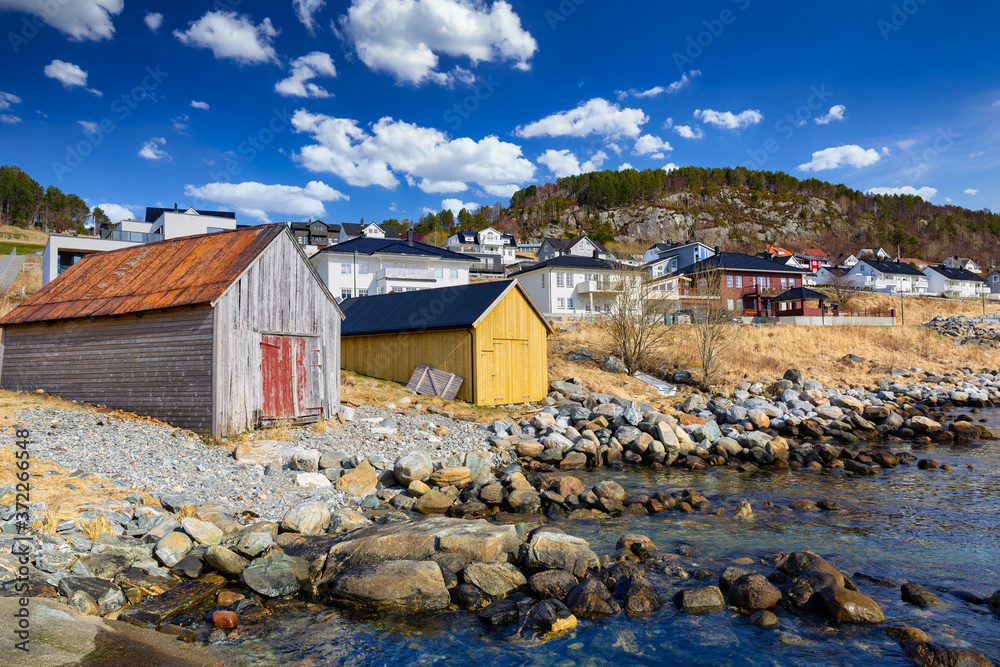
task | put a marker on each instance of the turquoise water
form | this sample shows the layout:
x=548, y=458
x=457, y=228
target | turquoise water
x=938, y=528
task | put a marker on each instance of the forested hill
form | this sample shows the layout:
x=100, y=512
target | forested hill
x=744, y=210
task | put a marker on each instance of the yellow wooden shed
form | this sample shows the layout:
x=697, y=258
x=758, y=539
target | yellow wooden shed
x=491, y=334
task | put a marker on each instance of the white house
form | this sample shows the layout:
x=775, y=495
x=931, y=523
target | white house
x=954, y=282
x=877, y=254
x=578, y=247
x=887, y=277
x=371, y=266
x=63, y=251
x=847, y=262
x=686, y=253
x=354, y=230
x=570, y=286
x=965, y=263
x=488, y=241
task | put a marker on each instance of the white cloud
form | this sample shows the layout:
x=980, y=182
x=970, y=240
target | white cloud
x=424, y=156
x=831, y=158
x=625, y=166
x=9, y=119
x=257, y=199
x=680, y=84
x=305, y=9
x=153, y=20
x=669, y=167
x=199, y=105
x=7, y=99
x=68, y=74
x=906, y=144
x=406, y=38
x=977, y=153
x=151, y=151
x=89, y=126
x=835, y=113
x=886, y=151
x=972, y=191
x=563, y=163
x=654, y=147
x=80, y=19
x=688, y=132
x=304, y=68
x=180, y=123
x=456, y=205
x=502, y=190
x=597, y=116
x=231, y=36
x=924, y=193
x=727, y=120
x=116, y=212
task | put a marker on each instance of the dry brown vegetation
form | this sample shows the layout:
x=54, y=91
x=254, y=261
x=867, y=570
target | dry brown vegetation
x=27, y=283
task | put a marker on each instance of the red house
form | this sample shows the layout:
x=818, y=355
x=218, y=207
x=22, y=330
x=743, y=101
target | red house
x=748, y=282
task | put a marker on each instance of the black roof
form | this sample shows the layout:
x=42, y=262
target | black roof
x=893, y=267
x=354, y=229
x=572, y=262
x=465, y=236
x=456, y=307
x=366, y=246
x=957, y=274
x=567, y=244
x=739, y=261
x=799, y=293
x=153, y=214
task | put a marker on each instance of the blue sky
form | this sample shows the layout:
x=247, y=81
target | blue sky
x=342, y=110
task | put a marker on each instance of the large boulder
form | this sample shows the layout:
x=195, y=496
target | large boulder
x=700, y=600
x=309, y=518
x=849, y=606
x=548, y=619
x=753, y=592
x=552, y=584
x=156, y=610
x=641, y=597
x=548, y=551
x=276, y=574
x=260, y=452
x=412, y=466
x=994, y=603
x=494, y=579
x=591, y=599
x=225, y=561
x=402, y=585
x=919, y=595
x=202, y=532
x=360, y=482
x=926, y=654
x=797, y=563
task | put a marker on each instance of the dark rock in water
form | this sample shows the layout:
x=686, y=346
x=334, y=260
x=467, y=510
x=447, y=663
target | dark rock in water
x=499, y=614
x=731, y=574
x=828, y=505
x=403, y=585
x=105, y=594
x=524, y=501
x=928, y=464
x=548, y=550
x=903, y=633
x=158, y=610
x=926, y=654
x=919, y=595
x=803, y=505
x=546, y=620
x=802, y=591
x=874, y=580
x=700, y=600
x=764, y=619
x=799, y=562
x=616, y=576
x=703, y=573
x=591, y=599
x=469, y=597
x=313, y=549
x=276, y=574
x=753, y=592
x=552, y=584
x=641, y=597
x=994, y=603
x=972, y=597
x=849, y=606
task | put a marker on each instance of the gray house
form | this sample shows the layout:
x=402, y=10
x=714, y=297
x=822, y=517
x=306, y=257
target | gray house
x=217, y=333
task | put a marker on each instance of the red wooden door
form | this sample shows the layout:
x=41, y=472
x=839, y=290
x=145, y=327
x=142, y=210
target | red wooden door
x=285, y=377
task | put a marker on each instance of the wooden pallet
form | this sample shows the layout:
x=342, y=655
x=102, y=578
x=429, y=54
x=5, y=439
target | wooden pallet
x=432, y=382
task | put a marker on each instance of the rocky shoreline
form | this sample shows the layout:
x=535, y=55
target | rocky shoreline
x=352, y=537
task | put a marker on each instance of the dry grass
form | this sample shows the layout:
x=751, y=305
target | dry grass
x=280, y=431
x=19, y=234
x=27, y=283
x=186, y=511
x=96, y=526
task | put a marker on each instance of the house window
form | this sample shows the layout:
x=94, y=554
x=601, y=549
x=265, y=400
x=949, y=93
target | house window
x=561, y=303
x=381, y=290
x=453, y=273
x=569, y=303
x=362, y=266
x=729, y=281
x=784, y=283
x=730, y=304
x=345, y=294
x=362, y=292
x=739, y=281
x=543, y=281
x=559, y=280
x=345, y=267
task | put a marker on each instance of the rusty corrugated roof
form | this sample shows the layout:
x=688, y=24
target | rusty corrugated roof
x=179, y=272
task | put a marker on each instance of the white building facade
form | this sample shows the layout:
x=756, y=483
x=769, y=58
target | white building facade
x=955, y=283
x=488, y=241
x=887, y=277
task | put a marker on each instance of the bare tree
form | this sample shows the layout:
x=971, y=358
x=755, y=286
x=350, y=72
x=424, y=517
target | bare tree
x=637, y=310
x=844, y=290
x=714, y=329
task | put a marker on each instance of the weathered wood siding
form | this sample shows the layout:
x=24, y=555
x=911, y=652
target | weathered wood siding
x=157, y=364
x=394, y=356
x=279, y=294
x=511, y=345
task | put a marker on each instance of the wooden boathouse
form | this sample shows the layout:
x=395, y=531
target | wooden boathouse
x=491, y=334
x=217, y=333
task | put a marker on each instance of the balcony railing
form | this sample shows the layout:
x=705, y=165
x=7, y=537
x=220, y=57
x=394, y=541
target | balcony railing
x=136, y=237
x=404, y=274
